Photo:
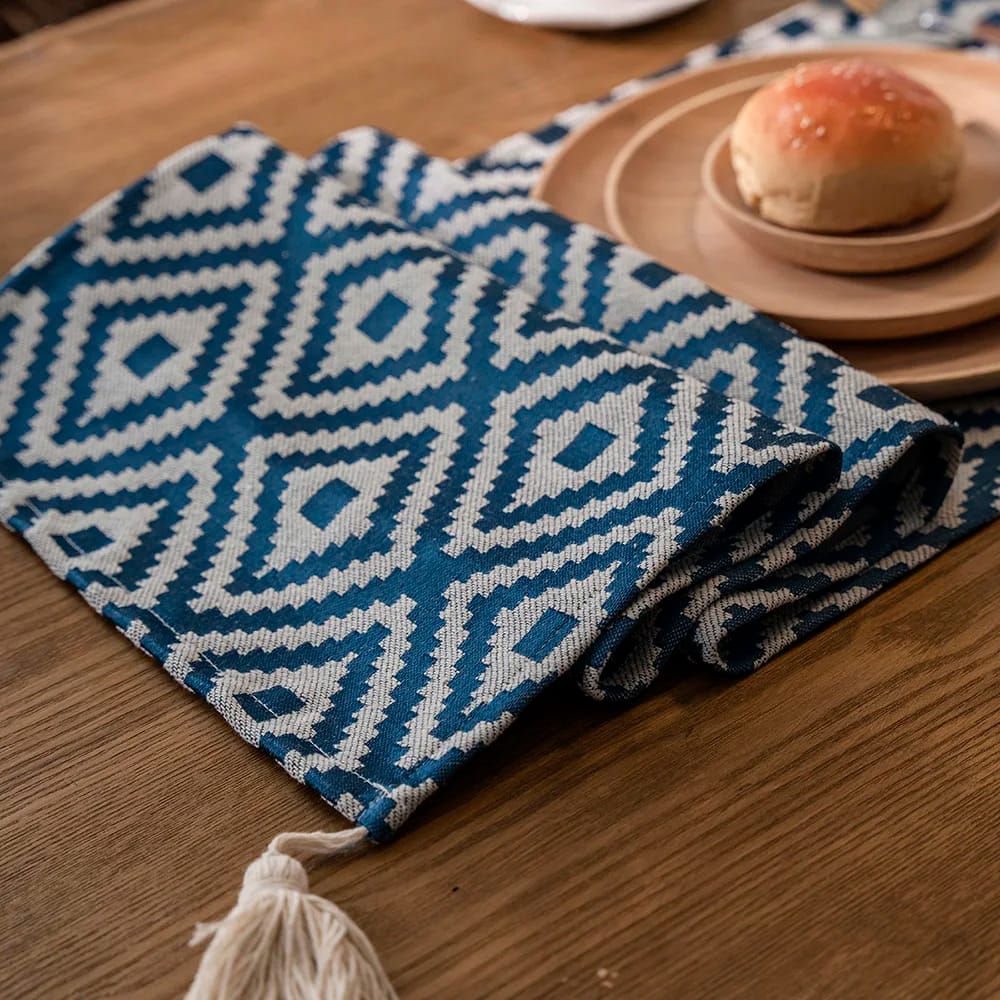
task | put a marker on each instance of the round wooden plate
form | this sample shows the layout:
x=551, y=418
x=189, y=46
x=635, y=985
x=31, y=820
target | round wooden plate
x=655, y=201
x=573, y=183
x=972, y=214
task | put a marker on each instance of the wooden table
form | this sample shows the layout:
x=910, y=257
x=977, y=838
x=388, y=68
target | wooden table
x=826, y=828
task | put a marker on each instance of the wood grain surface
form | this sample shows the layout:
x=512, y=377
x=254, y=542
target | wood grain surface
x=825, y=828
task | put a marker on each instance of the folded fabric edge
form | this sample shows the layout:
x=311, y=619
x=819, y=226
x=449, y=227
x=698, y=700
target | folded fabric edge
x=375, y=818
x=927, y=465
x=382, y=814
x=462, y=208
x=273, y=879
x=378, y=816
x=278, y=936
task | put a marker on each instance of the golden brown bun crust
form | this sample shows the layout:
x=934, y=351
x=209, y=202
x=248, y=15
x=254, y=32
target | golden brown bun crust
x=843, y=145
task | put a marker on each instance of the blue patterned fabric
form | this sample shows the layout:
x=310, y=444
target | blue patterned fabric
x=366, y=452
x=358, y=494
x=901, y=499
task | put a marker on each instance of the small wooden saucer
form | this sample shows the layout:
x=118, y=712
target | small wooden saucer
x=970, y=216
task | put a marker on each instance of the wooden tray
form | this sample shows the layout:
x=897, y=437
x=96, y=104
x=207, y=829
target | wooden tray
x=574, y=182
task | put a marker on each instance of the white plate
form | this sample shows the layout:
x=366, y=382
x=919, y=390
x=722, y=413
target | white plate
x=583, y=15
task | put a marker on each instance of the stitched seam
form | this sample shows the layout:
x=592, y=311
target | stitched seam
x=28, y=502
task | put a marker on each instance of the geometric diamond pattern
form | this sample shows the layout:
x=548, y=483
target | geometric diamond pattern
x=648, y=274
x=368, y=482
x=802, y=578
x=149, y=355
x=205, y=172
x=586, y=447
x=384, y=317
x=344, y=509
x=138, y=357
x=92, y=405
x=327, y=502
x=338, y=349
x=361, y=496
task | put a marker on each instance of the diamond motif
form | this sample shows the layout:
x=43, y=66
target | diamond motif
x=326, y=360
x=119, y=392
x=276, y=556
x=149, y=355
x=589, y=444
x=522, y=490
x=649, y=274
x=181, y=209
x=327, y=502
x=207, y=171
x=384, y=317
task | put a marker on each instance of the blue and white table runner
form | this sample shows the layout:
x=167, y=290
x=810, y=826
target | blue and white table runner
x=367, y=451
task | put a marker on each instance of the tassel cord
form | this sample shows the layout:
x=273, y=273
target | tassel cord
x=281, y=942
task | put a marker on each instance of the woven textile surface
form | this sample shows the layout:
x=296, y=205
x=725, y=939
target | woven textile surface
x=481, y=210
x=367, y=451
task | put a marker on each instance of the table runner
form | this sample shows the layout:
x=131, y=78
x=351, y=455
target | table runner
x=366, y=452
x=359, y=494
x=481, y=209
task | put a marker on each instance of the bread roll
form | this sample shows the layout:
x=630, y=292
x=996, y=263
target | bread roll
x=842, y=145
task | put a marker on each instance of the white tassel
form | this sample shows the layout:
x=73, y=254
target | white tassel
x=280, y=942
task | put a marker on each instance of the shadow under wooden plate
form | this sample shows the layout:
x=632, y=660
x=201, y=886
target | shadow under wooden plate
x=941, y=366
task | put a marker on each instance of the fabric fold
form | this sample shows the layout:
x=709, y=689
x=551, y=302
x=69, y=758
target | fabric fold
x=362, y=496
x=900, y=458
